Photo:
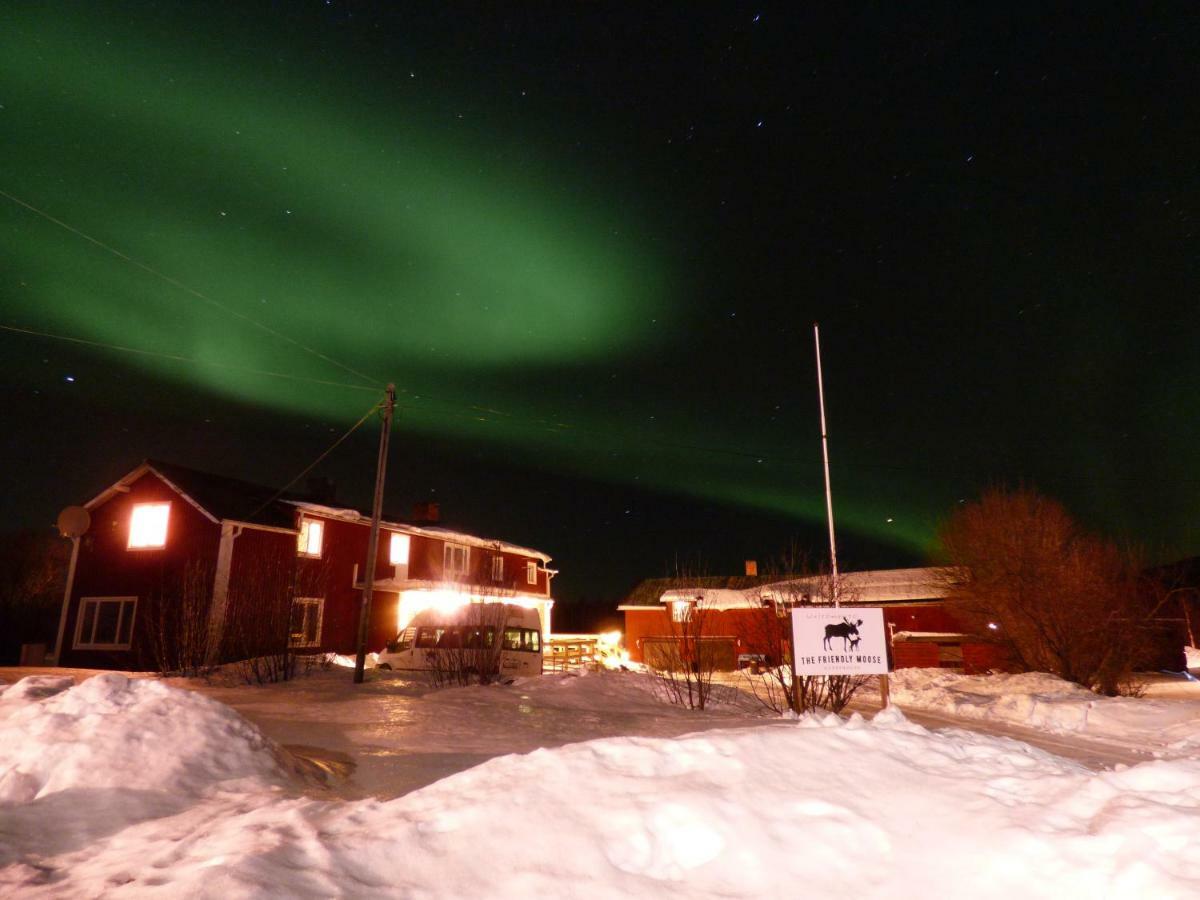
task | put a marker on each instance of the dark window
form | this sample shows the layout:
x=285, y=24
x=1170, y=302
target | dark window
x=305, y=627
x=480, y=638
x=427, y=637
x=105, y=623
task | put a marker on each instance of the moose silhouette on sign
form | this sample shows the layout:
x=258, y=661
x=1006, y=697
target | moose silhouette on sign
x=844, y=629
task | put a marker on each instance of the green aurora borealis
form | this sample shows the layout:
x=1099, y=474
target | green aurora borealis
x=472, y=277
x=613, y=279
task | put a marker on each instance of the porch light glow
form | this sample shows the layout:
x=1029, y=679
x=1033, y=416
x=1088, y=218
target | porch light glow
x=448, y=599
x=398, y=552
x=148, y=525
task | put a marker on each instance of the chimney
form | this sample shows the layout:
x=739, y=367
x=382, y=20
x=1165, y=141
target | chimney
x=751, y=568
x=322, y=490
x=425, y=513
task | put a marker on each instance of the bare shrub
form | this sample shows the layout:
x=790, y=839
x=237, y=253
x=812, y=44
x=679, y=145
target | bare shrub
x=265, y=627
x=177, y=622
x=684, y=658
x=1023, y=573
x=468, y=652
x=794, y=583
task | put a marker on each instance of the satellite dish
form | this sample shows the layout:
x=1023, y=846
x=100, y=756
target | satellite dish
x=73, y=521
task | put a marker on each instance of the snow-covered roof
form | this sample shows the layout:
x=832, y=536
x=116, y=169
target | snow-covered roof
x=868, y=587
x=928, y=636
x=432, y=531
x=874, y=585
x=715, y=598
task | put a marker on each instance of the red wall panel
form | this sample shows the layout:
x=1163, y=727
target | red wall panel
x=108, y=568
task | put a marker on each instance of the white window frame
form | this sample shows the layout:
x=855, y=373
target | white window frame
x=304, y=540
x=531, y=573
x=682, y=610
x=128, y=607
x=296, y=639
x=449, y=551
x=497, y=568
x=165, y=528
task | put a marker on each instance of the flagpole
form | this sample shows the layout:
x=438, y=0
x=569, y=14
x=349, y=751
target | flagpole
x=833, y=565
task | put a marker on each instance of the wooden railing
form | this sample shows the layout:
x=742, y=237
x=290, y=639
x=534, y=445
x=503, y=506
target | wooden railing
x=565, y=654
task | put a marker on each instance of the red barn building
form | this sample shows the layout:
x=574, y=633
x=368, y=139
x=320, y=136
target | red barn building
x=172, y=552
x=742, y=617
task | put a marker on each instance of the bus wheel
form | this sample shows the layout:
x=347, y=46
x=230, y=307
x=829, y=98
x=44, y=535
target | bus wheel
x=384, y=666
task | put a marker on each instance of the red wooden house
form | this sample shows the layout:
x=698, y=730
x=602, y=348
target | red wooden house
x=172, y=551
x=745, y=617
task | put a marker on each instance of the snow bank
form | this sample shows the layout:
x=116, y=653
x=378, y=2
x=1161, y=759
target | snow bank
x=1045, y=702
x=820, y=807
x=116, y=733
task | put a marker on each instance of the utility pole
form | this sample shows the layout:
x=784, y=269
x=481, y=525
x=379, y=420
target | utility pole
x=364, y=614
x=825, y=451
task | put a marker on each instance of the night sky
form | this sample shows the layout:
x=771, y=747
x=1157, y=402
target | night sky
x=588, y=244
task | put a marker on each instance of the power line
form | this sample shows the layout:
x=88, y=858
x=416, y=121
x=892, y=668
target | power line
x=184, y=359
x=317, y=461
x=190, y=290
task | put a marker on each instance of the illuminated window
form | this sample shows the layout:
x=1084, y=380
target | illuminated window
x=105, y=623
x=531, y=572
x=305, y=628
x=525, y=640
x=681, y=610
x=398, y=552
x=148, y=525
x=311, y=533
x=455, y=561
x=497, y=568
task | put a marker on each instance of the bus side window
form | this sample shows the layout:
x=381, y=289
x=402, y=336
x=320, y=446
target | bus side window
x=427, y=638
x=479, y=638
x=512, y=639
x=533, y=641
x=450, y=639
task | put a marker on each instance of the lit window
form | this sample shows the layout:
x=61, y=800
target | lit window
x=455, y=561
x=526, y=640
x=497, y=568
x=311, y=532
x=531, y=572
x=398, y=553
x=681, y=610
x=305, y=627
x=105, y=623
x=148, y=525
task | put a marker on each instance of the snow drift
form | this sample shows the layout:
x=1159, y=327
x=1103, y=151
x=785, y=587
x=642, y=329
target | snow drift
x=1045, y=702
x=819, y=807
x=114, y=732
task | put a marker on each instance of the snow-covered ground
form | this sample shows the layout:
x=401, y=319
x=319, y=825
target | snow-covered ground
x=135, y=787
x=1165, y=722
x=402, y=734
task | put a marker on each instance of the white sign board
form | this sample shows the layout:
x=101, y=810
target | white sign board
x=846, y=640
